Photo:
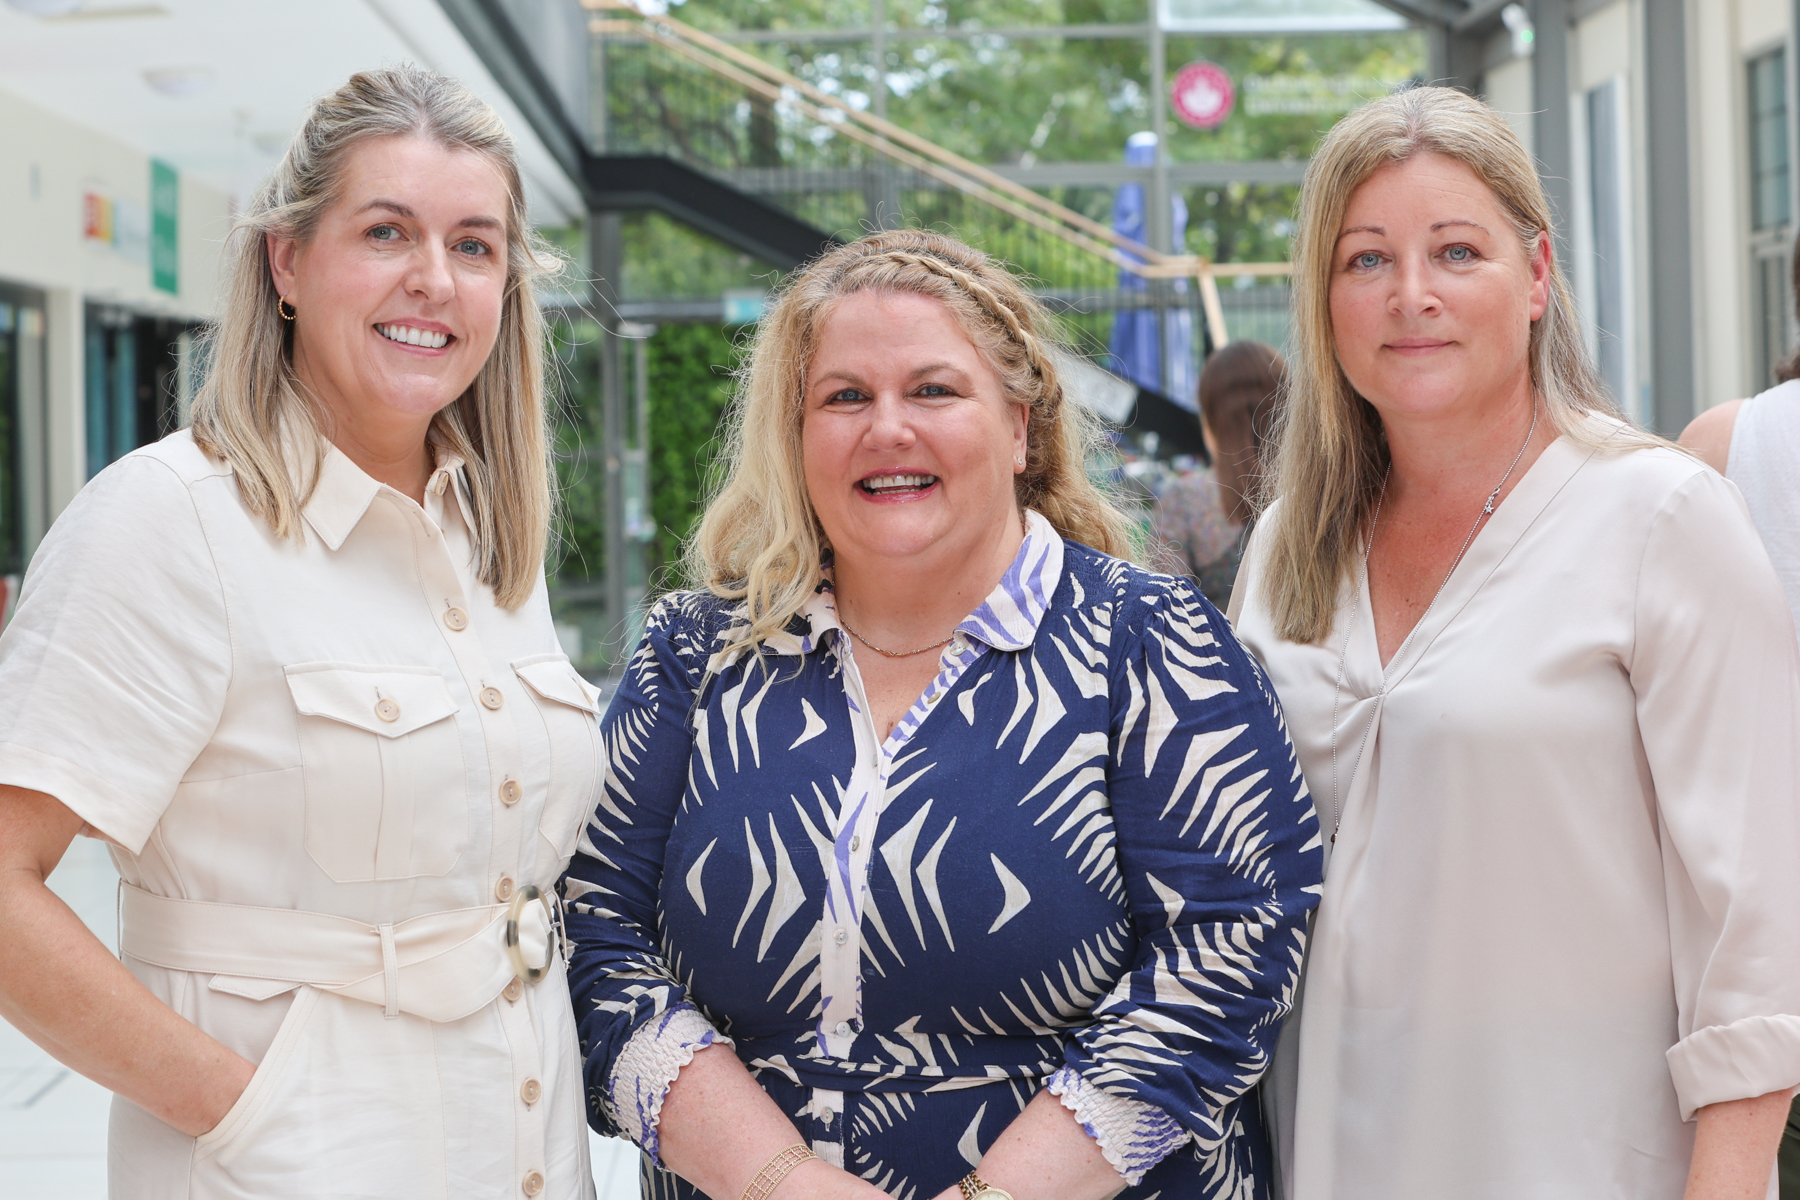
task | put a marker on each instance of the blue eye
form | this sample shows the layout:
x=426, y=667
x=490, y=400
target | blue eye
x=1460, y=254
x=472, y=247
x=1368, y=260
x=847, y=396
x=384, y=233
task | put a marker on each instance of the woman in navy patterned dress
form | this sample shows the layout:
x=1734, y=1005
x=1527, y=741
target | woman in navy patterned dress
x=975, y=847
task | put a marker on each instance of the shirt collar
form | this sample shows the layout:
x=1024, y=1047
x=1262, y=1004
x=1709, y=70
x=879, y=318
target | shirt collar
x=1009, y=618
x=343, y=492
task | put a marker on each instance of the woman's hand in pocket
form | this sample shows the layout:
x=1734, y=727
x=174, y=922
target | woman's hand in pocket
x=229, y=1078
x=67, y=992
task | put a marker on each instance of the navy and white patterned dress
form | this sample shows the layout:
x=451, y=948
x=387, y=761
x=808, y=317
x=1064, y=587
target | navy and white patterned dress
x=1083, y=860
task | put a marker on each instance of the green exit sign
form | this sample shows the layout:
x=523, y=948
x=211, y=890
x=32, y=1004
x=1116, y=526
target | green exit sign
x=165, y=227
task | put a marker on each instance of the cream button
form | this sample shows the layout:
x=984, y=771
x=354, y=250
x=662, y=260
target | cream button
x=533, y=1183
x=387, y=710
x=532, y=1089
x=503, y=891
x=456, y=619
x=841, y=936
x=825, y=1115
x=843, y=1029
x=513, y=991
x=491, y=697
x=511, y=792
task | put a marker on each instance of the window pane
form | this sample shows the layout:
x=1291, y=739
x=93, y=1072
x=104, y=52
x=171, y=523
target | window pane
x=1770, y=201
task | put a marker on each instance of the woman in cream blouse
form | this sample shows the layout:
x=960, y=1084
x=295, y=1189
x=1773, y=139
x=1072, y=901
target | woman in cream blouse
x=1546, y=695
x=296, y=665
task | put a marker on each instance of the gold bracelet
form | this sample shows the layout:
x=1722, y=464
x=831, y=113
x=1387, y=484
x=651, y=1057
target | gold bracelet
x=776, y=1170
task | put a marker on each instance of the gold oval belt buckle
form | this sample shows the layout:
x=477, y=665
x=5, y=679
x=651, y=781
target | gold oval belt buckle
x=522, y=969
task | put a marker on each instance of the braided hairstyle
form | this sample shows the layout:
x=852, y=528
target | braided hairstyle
x=760, y=540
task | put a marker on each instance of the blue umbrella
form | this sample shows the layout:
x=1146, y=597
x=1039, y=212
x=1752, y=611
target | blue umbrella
x=1136, y=342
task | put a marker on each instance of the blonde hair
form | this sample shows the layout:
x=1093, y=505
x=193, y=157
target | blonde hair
x=253, y=412
x=760, y=540
x=1332, y=454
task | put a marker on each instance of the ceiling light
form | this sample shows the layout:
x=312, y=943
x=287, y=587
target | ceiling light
x=45, y=8
x=179, y=82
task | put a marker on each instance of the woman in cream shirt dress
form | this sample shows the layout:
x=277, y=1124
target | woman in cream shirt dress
x=338, y=761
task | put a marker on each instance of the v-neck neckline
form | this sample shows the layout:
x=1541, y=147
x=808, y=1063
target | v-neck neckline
x=1512, y=517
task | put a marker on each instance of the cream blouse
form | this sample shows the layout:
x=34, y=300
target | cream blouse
x=1563, y=910
x=327, y=767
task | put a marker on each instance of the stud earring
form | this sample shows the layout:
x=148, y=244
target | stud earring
x=288, y=312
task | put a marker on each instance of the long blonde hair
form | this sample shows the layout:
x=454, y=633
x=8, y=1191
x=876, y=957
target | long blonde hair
x=760, y=540
x=1332, y=452
x=252, y=411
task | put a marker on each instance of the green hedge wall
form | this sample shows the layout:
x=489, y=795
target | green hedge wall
x=690, y=387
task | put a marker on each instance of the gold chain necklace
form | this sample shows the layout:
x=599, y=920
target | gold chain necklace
x=891, y=653
x=1487, y=509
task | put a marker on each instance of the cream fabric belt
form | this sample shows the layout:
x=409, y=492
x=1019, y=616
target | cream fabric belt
x=442, y=966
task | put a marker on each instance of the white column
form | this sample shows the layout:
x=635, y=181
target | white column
x=65, y=431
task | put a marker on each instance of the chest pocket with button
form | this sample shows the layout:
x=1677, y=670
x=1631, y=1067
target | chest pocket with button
x=571, y=711
x=386, y=793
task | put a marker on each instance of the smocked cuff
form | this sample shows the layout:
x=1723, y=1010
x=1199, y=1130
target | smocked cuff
x=647, y=1067
x=1134, y=1136
x=1747, y=1058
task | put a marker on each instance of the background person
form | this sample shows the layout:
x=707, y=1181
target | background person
x=976, y=847
x=1755, y=443
x=1202, y=520
x=1547, y=695
x=297, y=666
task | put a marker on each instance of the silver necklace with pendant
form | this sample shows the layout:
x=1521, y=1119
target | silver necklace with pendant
x=1337, y=696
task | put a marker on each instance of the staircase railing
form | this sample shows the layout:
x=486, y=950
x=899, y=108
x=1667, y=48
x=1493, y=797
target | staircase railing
x=1074, y=257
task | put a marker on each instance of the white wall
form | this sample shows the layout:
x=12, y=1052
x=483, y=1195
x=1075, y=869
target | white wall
x=1606, y=46
x=1716, y=98
x=44, y=246
x=1722, y=36
x=1761, y=24
x=1508, y=89
x=46, y=165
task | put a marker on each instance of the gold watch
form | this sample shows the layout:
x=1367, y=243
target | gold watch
x=974, y=1189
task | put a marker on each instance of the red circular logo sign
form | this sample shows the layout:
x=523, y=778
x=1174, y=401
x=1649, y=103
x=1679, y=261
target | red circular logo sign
x=1202, y=95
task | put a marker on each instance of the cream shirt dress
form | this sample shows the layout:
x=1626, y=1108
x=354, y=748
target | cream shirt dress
x=332, y=771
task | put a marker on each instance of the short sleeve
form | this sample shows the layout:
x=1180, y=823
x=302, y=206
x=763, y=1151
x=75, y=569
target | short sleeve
x=114, y=667
x=1717, y=677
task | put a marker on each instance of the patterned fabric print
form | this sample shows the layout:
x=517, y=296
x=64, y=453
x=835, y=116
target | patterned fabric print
x=1133, y=1136
x=649, y=1064
x=1192, y=534
x=1088, y=849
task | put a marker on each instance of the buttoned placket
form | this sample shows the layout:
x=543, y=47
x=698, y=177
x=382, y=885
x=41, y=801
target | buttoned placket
x=847, y=874
x=497, y=698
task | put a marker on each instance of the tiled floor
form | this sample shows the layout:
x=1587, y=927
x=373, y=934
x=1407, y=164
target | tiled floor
x=53, y=1122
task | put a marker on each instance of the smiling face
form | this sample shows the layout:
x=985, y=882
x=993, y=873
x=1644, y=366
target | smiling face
x=1432, y=296
x=909, y=442
x=398, y=291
